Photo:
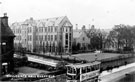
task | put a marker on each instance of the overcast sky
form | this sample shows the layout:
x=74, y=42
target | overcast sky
x=102, y=13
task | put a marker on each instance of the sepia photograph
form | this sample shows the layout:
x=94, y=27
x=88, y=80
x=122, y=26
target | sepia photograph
x=67, y=40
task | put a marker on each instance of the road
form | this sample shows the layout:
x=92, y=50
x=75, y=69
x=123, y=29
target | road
x=117, y=74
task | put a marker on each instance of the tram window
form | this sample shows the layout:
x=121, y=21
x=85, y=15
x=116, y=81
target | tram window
x=92, y=68
x=77, y=77
x=78, y=70
x=95, y=67
x=69, y=70
x=84, y=70
x=88, y=69
x=74, y=71
x=98, y=66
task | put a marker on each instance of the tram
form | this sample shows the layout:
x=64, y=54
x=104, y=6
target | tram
x=87, y=72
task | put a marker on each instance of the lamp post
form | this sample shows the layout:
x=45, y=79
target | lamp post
x=96, y=53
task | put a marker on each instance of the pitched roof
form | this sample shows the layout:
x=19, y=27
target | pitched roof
x=51, y=21
x=5, y=29
x=77, y=33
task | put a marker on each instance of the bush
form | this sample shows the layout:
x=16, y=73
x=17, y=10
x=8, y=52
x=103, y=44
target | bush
x=127, y=49
x=110, y=51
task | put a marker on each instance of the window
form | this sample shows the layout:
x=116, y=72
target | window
x=30, y=29
x=66, y=42
x=70, y=29
x=66, y=29
x=20, y=38
x=83, y=38
x=83, y=70
x=45, y=38
x=66, y=35
x=69, y=69
x=55, y=29
x=70, y=44
x=88, y=69
x=37, y=37
x=92, y=68
x=42, y=29
x=38, y=29
x=48, y=28
x=45, y=29
x=60, y=37
x=51, y=37
x=48, y=37
x=55, y=37
x=30, y=38
x=41, y=37
x=70, y=37
x=51, y=28
x=66, y=46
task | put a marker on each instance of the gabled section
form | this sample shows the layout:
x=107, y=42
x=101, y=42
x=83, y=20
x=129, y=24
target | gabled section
x=77, y=33
x=5, y=29
x=67, y=24
x=64, y=21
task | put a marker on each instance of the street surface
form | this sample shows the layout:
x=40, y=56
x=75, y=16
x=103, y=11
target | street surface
x=117, y=73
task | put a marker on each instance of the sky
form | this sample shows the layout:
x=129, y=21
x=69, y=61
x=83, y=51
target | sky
x=103, y=14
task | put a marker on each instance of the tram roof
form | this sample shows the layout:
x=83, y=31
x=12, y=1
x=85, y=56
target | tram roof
x=43, y=61
x=83, y=65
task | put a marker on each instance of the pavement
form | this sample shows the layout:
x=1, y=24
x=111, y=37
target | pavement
x=116, y=74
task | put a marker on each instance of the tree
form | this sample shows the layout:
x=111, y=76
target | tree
x=60, y=49
x=97, y=38
x=122, y=35
x=78, y=47
x=74, y=47
x=111, y=40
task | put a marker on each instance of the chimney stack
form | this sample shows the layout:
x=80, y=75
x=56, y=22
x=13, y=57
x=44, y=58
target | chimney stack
x=5, y=14
x=76, y=26
x=89, y=26
x=83, y=28
x=5, y=19
x=92, y=27
x=31, y=18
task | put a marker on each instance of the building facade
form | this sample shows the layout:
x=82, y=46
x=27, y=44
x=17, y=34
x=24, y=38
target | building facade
x=80, y=37
x=45, y=35
x=7, y=47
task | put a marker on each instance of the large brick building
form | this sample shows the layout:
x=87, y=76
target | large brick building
x=45, y=35
x=6, y=46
